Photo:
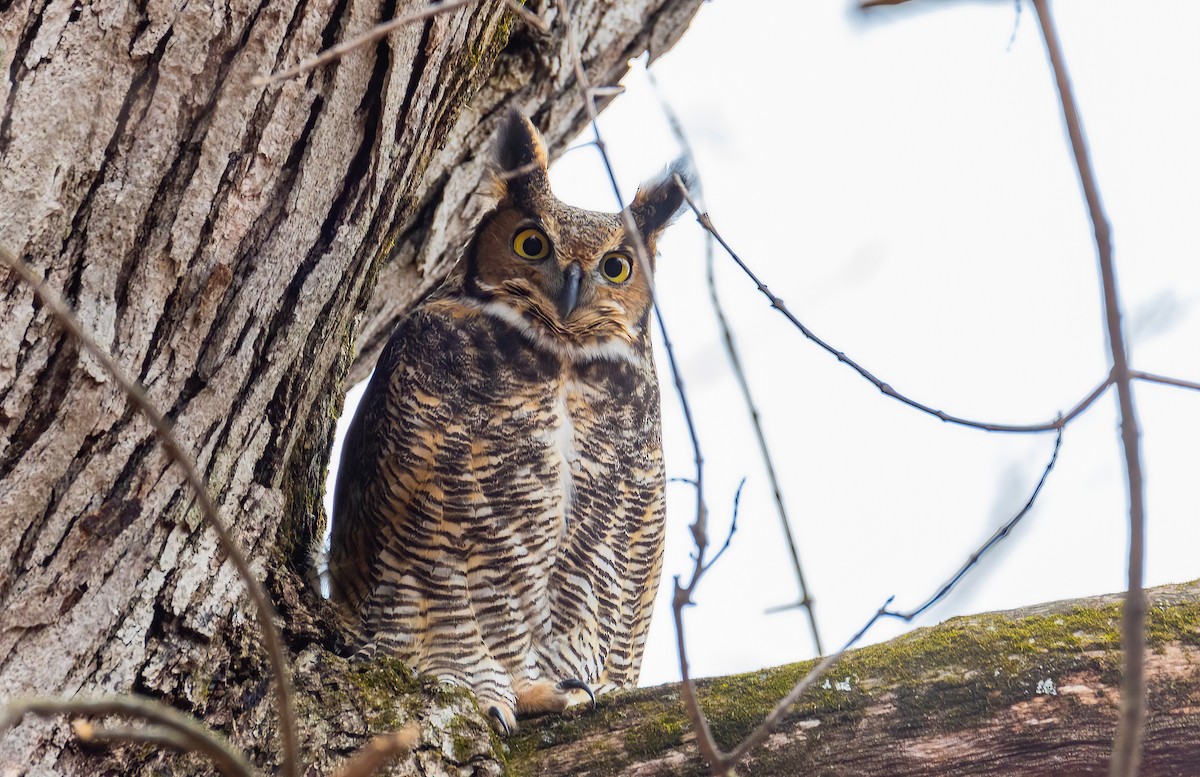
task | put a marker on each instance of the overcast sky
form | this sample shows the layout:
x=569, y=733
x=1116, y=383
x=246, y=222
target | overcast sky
x=903, y=181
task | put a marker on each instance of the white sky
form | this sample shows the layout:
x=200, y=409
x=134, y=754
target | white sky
x=903, y=181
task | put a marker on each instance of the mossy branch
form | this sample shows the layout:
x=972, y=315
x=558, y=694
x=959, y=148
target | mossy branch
x=1022, y=692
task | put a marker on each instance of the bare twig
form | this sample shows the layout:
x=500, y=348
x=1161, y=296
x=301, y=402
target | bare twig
x=704, y=738
x=169, y=726
x=683, y=598
x=380, y=751
x=1164, y=379
x=756, y=737
x=162, y=430
x=368, y=37
x=777, y=303
x=721, y=763
x=699, y=526
x=996, y=538
x=1132, y=717
x=737, y=502
x=806, y=600
x=589, y=103
x=157, y=736
x=528, y=16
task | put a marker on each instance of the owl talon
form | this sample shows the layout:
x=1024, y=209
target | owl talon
x=500, y=721
x=578, y=685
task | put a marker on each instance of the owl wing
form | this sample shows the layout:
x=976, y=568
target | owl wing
x=355, y=532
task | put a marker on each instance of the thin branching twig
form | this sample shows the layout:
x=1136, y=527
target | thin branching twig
x=806, y=600
x=683, y=598
x=168, y=726
x=1164, y=379
x=370, y=36
x=699, y=527
x=1049, y=426
x=722, y=763
x=264, y=611
x=997, y=537
x=1132, y=716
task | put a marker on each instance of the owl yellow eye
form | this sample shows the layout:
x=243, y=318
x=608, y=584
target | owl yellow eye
x=616, y=268
x=531, y=244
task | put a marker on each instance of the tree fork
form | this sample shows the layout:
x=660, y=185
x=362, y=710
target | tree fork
x=230, y=244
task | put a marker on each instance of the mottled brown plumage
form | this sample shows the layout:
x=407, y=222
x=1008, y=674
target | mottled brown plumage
x=498, y=516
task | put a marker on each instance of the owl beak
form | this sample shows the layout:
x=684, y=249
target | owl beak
x=568, y=297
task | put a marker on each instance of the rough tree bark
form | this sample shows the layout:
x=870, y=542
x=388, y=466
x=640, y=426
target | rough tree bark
x=224, y=241
x=1032, y=692
x=232, y=245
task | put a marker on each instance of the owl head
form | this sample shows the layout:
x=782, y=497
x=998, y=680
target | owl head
x=569, y=279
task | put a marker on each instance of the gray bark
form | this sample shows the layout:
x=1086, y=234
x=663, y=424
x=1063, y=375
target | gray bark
x=231, y=245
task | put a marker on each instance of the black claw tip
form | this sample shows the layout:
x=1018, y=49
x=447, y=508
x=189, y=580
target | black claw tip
x=495, y=713
x=578, y=685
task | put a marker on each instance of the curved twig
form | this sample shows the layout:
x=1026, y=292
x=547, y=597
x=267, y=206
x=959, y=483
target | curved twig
x=777, y=303
x=996, y=538
x=1132, y=717
x=171, y=727
x=806, y=600
x=264, y=611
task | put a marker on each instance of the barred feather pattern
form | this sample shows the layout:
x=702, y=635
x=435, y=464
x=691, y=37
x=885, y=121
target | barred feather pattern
x=499, y=513
x=500, y=509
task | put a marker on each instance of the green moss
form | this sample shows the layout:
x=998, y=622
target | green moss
x=388, y=687
x=657, y=735
x=463, y=735
x=941, y=679
x=1179, y=622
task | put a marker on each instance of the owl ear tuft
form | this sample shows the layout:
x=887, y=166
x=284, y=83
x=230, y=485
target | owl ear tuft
x=659, y=200
x=520, y=158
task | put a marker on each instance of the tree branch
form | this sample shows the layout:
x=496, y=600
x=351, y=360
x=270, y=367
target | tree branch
x=1164, y=379
x=1127, y=748
x=1025, y=692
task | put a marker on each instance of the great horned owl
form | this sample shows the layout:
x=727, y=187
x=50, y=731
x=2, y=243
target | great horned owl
x=498, y=514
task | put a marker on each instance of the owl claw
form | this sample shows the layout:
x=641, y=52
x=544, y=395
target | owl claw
x=578, y=685
x=500, y=721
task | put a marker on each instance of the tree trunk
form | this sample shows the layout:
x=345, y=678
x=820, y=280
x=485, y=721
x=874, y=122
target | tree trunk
x=1029, y=692
x=228, y=243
